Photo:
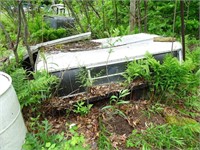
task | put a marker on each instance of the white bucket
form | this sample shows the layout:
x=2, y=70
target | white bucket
x=12, y=127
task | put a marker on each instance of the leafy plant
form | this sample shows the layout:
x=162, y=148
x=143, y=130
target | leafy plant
x=81, y=108
x=103, y=140
x=33, y=91
x=76, y=142
x=166, y=80
x=165, y=137
x=116, y=101
x=156, y=108
x=83, y=78
x=41, y=31
x=137, y=69
x=194, y=57
x=43, y=139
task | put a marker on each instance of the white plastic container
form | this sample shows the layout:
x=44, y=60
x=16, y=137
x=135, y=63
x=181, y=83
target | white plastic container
x=12, y=127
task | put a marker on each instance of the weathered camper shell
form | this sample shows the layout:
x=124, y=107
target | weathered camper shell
x=105, y=63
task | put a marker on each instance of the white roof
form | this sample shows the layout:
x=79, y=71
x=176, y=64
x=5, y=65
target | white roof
x=126, y=48
x=5, y=82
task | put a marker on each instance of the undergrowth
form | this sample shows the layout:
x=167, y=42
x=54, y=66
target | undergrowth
x=43, y=139
x=170, y=81
x=165, y=137
x=40, y=31
x=103, y=140
x=32, y=92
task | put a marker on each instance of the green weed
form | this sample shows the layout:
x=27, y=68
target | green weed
x=83, y=78
x=165, y=137
x=116, y=101
x=169, y=81
x=103, y=140
x=31, y=92
x=42, y=136
x=156, y=108
x=44, y=140
x=76, y=141
x=81, y=108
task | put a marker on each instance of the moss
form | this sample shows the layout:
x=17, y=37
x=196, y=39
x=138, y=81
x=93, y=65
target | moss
x=184, y=121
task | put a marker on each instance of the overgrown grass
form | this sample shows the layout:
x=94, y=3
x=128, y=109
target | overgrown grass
x=165, y=137
x=103, y=140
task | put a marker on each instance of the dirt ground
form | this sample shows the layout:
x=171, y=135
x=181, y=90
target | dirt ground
x=118, y=126
x=138, y=114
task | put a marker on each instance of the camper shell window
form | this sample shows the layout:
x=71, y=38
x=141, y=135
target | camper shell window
x=106, y=74
x=112, y=69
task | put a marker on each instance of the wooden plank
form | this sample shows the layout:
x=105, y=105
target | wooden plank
x=164, y=39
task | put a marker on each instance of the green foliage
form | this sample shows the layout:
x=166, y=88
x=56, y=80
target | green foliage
x=76, y=142
x=31, y=92
x=9, y=23
x=193, y=102
x=3, y=52
x=43, y=139
x=83, y=78
x=40, y=31
x=156, y=108
x=194, y=57
x=81, y=108
x=183, y=121
x=103, y=140
x=165, y=137
x=119, y=99
x=116, y=101
x=137, y=69
x=102, y=17
x=161, y=14
x=166, y=80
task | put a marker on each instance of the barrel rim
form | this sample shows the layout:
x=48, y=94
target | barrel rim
x=9, y=82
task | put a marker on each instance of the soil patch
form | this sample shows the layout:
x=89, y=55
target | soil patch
x=118, y=125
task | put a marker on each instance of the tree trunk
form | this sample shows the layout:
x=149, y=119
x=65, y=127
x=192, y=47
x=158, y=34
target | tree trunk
x=18, y=31
x=73, y=14
x=145, y=15
x=115, y=11
x=85, y=7
x=96, y=12
x=132, y=15
x=139, y=15
x=26, y=38
x=8, y=38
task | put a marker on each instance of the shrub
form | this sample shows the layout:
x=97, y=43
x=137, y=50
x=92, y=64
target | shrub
x=40, y=31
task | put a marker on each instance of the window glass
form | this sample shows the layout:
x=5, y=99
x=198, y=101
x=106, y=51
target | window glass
x=112, y=69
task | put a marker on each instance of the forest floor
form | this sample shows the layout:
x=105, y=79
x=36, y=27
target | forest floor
x=139, y=114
